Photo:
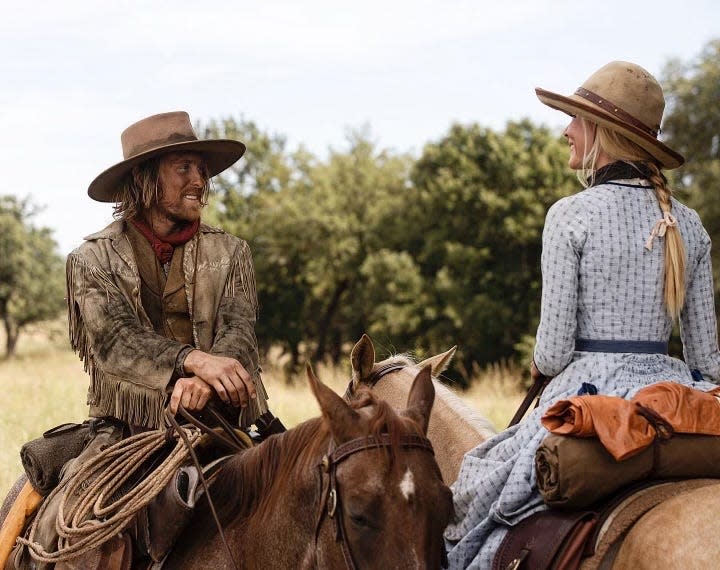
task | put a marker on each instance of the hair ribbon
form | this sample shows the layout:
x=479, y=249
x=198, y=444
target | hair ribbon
x=660, y=227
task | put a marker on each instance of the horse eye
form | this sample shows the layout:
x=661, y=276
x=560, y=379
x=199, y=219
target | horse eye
x=360, y=520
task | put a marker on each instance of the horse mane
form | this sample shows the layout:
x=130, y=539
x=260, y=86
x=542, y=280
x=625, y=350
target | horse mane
x=246, y=483
x=442, y=392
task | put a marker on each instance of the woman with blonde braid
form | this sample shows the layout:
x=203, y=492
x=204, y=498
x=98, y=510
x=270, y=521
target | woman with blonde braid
x=622, y=261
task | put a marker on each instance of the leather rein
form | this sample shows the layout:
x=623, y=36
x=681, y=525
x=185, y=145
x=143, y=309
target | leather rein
x=227, y=436
x=330, y=501
x=232, y=441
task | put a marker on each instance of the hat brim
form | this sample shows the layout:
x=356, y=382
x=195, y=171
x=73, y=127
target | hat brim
x=219, y=154
x=576, y=105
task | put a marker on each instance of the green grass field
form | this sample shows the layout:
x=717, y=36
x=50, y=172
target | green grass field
x=45, y=386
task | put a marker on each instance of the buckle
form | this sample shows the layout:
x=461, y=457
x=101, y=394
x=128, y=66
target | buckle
x=332, y=503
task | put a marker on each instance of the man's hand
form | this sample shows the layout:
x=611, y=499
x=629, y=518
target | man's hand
x=225, y=375
x=193, y=393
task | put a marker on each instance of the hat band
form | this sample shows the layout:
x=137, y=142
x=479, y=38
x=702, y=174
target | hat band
x=170, y=139
x=606, y=105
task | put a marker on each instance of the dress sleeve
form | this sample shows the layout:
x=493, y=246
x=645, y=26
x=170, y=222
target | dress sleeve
x=235, y=326
x=563, y=237
x=698, y=323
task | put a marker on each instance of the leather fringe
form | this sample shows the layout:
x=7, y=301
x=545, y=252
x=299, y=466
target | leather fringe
x=256, y=407
x=134, y=404
x=242, y=267
x=131, y=403
x=77, y=273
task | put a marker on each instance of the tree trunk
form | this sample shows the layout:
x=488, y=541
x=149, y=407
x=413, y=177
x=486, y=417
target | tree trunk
x=293, y=366
x=327, y=318
x=12, y=332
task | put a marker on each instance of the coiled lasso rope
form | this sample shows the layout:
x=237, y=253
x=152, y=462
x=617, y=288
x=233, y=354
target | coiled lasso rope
x=98, y=515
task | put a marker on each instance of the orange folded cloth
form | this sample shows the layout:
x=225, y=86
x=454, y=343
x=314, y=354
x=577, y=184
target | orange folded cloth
x=619, y=423
x=613, y=420
x=687, y=410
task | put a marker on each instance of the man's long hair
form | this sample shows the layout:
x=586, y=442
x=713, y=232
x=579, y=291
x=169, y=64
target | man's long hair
x=141, y=190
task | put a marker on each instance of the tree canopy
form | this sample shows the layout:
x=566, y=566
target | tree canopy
x=423, y=253
x=692, y=127
x=31, y=271
x=419, y=253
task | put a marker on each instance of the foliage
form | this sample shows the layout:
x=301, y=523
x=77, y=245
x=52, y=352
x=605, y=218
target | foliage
x=481, y=203
x=312, y=225
x=419, y=254
x=692, y=126
x=31, y=271
x=428, y=252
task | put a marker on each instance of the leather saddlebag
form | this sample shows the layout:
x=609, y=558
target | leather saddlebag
x=546, y=540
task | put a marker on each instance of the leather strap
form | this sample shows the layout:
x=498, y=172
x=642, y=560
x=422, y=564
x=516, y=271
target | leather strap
x=613, y=109
x=534, y=392
x=173, y=422
x=232, y=442
x=330, y=500
x=374, y=377
x=547, y=539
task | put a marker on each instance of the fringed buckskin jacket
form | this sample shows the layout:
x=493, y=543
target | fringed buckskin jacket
x=130, y=365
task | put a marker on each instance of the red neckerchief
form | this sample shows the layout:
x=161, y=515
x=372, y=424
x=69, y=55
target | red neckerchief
x=164, y=248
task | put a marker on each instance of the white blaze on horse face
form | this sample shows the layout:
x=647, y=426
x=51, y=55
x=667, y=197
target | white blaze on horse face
x=407, y=485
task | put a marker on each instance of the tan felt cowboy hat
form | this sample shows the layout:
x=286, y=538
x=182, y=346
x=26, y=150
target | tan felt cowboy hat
x=625, y=98
x=160, y=134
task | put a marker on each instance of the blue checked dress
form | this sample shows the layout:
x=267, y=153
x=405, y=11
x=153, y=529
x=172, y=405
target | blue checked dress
x=599, y=282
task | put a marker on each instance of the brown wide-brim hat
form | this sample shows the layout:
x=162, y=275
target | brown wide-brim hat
x=625, y=98
x=157, y=135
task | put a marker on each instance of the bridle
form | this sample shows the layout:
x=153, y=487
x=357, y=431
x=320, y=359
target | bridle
x=330, y=500
x=375, y=376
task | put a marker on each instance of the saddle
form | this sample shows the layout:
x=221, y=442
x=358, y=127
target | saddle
x=154, y=528
x=584, y=540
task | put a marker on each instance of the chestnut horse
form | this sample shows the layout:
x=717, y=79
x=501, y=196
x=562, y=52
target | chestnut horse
x=357, y=488
x=680, y=533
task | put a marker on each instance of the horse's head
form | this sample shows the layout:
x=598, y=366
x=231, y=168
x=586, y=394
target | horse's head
x=384, y=502
x=366, y=372
x=454, y=427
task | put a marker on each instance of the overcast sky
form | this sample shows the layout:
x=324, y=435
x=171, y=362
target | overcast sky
x=75, y=74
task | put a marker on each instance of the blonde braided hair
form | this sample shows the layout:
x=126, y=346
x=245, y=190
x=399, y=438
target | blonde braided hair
x=674, y=246
x=617, y=147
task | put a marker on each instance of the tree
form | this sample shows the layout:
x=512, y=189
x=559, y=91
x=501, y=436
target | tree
x=256, y=200
x=481, y=199
x=359, y=200
x=311, y=238
x=692, y=126
x=312, y=225
x=421, y=254
x=31, y=271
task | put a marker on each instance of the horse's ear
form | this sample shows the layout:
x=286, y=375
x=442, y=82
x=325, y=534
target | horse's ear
x=421, y=399
x=439, y=362
x=362, y=359
x=342, y=420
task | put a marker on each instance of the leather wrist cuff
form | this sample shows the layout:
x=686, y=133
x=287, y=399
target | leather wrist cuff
x=180, y=361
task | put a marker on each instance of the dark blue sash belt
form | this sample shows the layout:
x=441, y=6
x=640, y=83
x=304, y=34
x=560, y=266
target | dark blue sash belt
x=643, y=346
